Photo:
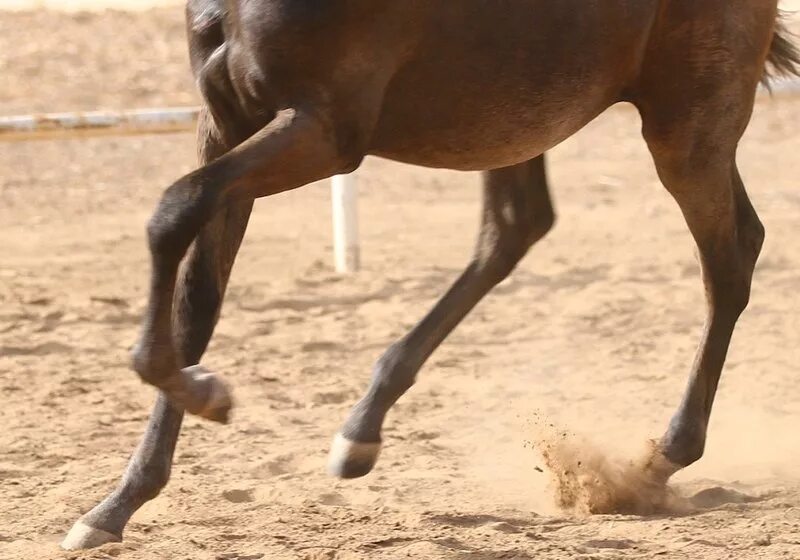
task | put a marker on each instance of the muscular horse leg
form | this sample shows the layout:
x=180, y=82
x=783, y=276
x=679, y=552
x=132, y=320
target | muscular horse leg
x=296, y=148
x=692, y=120
x=705, y=182
x=517, y=212
x=200, y=289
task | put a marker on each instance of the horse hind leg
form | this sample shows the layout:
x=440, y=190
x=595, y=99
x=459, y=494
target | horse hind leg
x=517, y=212
x=694, y=152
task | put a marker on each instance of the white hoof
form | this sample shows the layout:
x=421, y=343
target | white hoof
x=352, y=459
x=81, y=537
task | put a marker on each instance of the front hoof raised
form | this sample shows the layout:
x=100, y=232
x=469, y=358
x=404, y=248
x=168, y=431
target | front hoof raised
x=82, y=537
x=207, y=395
x=352, y=459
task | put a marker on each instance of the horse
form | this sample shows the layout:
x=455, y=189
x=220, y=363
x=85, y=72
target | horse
x=296, y=91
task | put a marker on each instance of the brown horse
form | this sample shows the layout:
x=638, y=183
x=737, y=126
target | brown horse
x=298, y=90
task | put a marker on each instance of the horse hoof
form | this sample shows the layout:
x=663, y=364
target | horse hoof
x=217, y=403
x=657, y=466
x=352, y=459
x=82, y=536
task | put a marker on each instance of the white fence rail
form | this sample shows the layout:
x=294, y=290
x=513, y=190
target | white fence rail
x=97, y=123
x=149, y=121
x=182, y=119
x=344, y=191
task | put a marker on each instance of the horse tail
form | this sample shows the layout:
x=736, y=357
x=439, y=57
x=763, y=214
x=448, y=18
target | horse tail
x=783, y=59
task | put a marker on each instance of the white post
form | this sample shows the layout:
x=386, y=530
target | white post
x=344, y=197
x=344, y=192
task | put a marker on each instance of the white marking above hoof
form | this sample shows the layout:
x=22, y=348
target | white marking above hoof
x=351, y=459
x=82, y=536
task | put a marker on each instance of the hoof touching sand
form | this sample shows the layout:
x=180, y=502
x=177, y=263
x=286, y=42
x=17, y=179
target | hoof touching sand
x=82, y=536
x=586, y=480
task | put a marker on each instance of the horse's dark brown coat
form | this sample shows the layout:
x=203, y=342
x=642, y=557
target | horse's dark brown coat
x=299, y=90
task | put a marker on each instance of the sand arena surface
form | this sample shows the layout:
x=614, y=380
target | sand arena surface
x=594, y=334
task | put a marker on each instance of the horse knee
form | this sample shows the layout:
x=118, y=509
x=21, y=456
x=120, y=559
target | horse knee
x=184, y=207
x=499, y=253
x=751, y=233
x=731, y=284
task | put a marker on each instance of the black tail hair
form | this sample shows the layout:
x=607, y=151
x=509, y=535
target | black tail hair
x=783, y=59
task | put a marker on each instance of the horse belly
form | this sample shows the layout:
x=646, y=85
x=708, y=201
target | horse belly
x=490, y=89
x=487, y=133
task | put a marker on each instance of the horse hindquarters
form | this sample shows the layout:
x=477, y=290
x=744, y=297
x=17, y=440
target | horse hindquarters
x=696, y=95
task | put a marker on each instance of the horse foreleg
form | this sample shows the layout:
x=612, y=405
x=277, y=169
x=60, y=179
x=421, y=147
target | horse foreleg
x=201, y=285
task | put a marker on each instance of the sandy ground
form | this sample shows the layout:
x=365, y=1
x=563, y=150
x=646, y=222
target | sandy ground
x=594, y=333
